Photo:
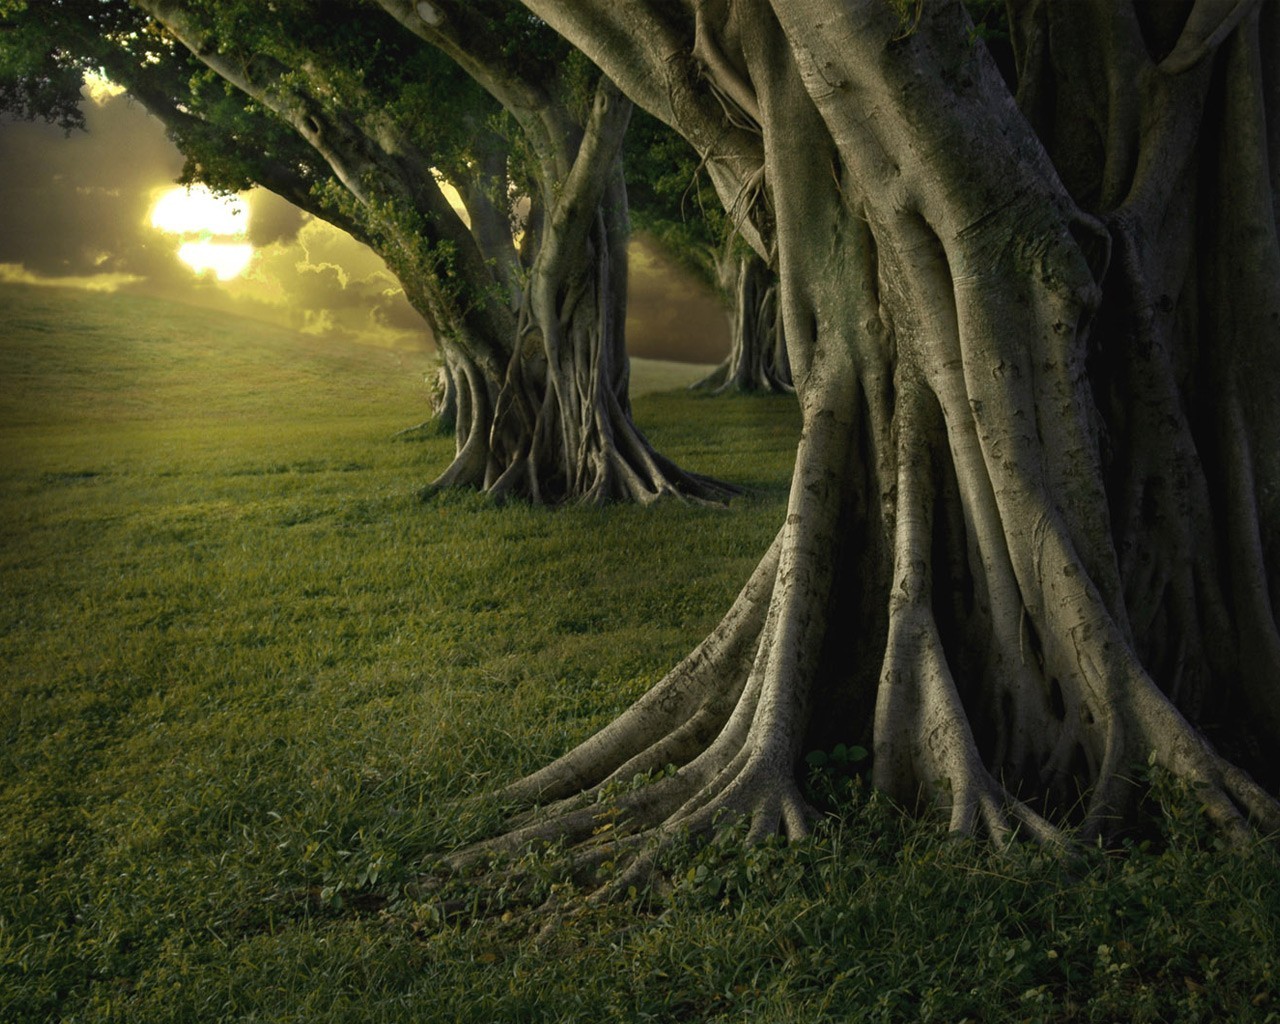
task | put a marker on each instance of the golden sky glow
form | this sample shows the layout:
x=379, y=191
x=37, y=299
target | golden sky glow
x=197, y=211
x=211, y=229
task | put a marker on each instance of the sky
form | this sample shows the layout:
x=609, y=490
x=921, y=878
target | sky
x=81, y=211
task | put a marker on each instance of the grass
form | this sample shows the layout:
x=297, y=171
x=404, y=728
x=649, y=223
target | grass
x=247, y=678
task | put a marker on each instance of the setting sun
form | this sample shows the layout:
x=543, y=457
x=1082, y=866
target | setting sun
x=212, y=229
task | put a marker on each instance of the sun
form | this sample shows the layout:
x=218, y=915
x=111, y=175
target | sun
x=211, y=229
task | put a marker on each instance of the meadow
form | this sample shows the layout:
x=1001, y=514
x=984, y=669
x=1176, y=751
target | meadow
x=251, y=686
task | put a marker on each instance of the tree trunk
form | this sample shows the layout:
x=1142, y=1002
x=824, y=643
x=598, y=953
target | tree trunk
x=757, y=360
x=566, y=390
x=562, y=427
x=1031, y=545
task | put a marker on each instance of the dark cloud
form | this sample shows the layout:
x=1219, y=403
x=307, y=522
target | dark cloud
x=394, y=312
x=77, y=205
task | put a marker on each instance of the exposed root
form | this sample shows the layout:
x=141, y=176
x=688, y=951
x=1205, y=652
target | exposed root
x=721, y=737
x=674, y=719
x=554, y=439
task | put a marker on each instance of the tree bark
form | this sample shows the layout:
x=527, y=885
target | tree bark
x=1031, y=542
x=578, y=437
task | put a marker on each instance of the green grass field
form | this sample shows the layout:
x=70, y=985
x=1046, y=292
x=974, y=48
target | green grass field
x=248, y=681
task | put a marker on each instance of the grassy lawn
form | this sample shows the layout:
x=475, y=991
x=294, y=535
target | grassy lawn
x=246, y=681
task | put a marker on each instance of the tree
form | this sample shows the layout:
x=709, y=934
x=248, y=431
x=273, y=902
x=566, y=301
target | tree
x=674, y=205
x=1033, y=537
x=757, y=359
x=572, y=121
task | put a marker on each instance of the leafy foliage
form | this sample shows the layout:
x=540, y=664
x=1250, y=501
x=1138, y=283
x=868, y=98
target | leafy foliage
x=40, y=79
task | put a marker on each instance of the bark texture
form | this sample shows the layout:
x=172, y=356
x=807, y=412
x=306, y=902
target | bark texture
x=1034, y=327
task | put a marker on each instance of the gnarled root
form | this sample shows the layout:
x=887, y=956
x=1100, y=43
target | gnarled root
x=721, y=737
x=688, y=757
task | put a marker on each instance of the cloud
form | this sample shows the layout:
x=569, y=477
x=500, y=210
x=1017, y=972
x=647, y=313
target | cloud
x=65, y=202
x=272, y=219
x=15, y=273
x=329, y=284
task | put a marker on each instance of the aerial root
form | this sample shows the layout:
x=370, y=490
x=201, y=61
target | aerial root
x=924, y=743
x=1236, y=805
x=648, y=474
x=554, y=440
x=982, y=806
x=1259, y=805
x=1142, y=723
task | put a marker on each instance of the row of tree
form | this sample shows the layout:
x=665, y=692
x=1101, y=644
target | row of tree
x=358, y=125
x=1028, y=277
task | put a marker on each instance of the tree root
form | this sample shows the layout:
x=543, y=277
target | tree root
x=515, y=454
x=721, y=737
x=673, y=719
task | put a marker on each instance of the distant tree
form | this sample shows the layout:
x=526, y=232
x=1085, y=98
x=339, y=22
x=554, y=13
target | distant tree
x=672, y=201
x=1033, y=540
x=572, y=121
x=757, y=360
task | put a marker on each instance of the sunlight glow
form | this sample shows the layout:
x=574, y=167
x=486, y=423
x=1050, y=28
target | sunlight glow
x=212, y=229
x=225, y=259
x=197, y=211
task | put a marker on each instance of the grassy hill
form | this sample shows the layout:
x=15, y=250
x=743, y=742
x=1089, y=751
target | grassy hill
x=249, y=687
